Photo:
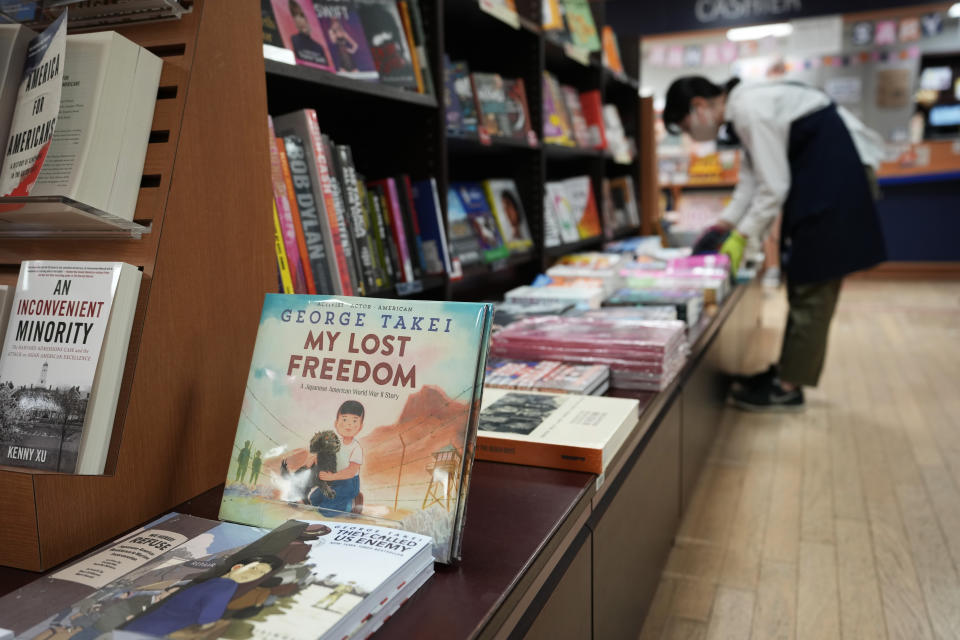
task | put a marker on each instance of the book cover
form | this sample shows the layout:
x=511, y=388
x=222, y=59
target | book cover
x=463, y=240
x=301, y=32
x=474, y=201
x=551, y=19
x=271, y=32
x=363, y=408
x=420, y=45
x=616, y=136
x=122, y=579
x=592, y=107
x=363, y=242
x=611, y=50
x=282, y=207
x=567, y=221
x=451, y=101
x=388, y=42
x=579, y=191
x=551, y=224
x=463, y=89
x=624, y=201
x=556, y=122
x=518, y=112
x=283, y=266
x=583, y=30
x=491, y=103
x=404, y=8
x=36, y=109
x=571, y=100
x=319, y=253
x=337, y=194
x=505, y=202
x=62, y=363
x=344, y=32
x=394, y=213
x=14, y=40
x=427, y=203
x=562, y=431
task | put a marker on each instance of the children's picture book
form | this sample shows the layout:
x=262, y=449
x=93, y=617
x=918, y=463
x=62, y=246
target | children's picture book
x=360, y=410
x=343, y=31
x=301, y=33
x=507, y=206
x=474, y=202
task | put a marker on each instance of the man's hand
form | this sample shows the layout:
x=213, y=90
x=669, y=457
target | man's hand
x=327, y=476
x=733, y=246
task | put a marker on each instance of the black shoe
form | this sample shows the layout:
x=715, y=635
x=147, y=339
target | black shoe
x=758, y=379
x=769, y=397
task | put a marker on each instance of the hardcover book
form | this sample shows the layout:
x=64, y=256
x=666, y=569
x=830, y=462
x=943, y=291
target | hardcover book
x=388, y=42
x=463, y=241
x=571, y=99
x=563, y=211
x=301, y=33
x=583, y=30
x=492, y=103
x=398, y=229
x=14, y=40
x=506, y=205
x=562, y=431
x=579, y=191
x=463, y=88
x=624, y=201
x=611, y=50
x=518, y=112
x=474, y=201
x=335, y=192
x=435, y=250
x=342, y=28
x=592, y=107
x=556, y=121
x=361, y=409
x=451, y=100
x=285, y=217
x=62, y=363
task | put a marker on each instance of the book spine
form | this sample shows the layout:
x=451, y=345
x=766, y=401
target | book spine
x=420, y=35
x=438, y=212
x=301, y=244
x=286, y=283
x=389, y=241
x=399, y=234
x=414, y=240
x=404, y=10
x=373, y=234
x=329, y=205
x=344, y=219
x=384, y=247
x=361, y=233
x=540, y=454
x=284, y=206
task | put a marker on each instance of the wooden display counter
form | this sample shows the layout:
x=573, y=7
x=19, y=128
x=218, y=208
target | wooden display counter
x=549, y=553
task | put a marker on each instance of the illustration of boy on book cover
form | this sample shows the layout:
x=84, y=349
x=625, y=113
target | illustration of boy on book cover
x=359, y=410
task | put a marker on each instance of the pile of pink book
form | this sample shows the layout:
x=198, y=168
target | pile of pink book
x=548, y=375
x=642, y=354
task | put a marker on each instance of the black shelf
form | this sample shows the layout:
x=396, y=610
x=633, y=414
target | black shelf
x=619, y=81
x=573, y=247
x=556, y=151
x=626, y=232
x=327, y=80
x=465, y=145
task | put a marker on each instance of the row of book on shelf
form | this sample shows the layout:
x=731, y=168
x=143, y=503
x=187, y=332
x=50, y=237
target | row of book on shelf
x=75, y=118
x=372, y=40
x=487, y=106
x=356, y=437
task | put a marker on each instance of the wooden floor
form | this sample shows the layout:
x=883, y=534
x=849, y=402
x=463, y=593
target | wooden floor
x=843, y=521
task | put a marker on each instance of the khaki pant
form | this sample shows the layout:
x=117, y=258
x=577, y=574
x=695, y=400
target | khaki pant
x=808, y=324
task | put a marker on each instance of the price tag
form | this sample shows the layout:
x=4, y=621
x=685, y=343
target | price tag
x=501, y=12
x=409, y=288
x=278, y=54
x=578, y=54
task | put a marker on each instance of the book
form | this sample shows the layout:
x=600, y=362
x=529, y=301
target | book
x=617, y=143
x=388, y=42
x=385, y=398
x=282, y=206
x=404, y=8
x=302, y=34
x=551, y=223
x=474, y=202
x=491, y=96
x=610, y=57
x=62, y=363
x=561, y=431
x=547, y=375
x=563, y=211
x=337, y=195
x=311, y=150
x=343, y=30
x=579, y=191
x=583, y=30
x=556, y=122
x=32, y=120
x=463, y=89
x=6, y=304
x=592, y=107
x=551, y=19
x=464, y=244
x=571, y=100
x=384, y=274
x=412, y=220
x=386, y=252
x=398, y=229
x=505, y=202
x=688, y=303
x=506, y=313
x=309, y=281
x=283, y=266
x=420, y=46
x=14, y=40
x=362, y=240
x=453, y=110
x=518, y=112
x=426, y=200
x=272, y=40
x=580, y=297
x=624, y=202
x=313, y=241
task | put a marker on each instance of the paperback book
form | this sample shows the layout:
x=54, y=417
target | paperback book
x=491, y=95
x=388, y=42
x=348, y=44
x=463, y=241
x=301, y=33
x=507, y=207
x=474, y=202
x=583, y=204
x=360, y=409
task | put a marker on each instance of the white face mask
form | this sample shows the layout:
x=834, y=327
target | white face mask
x=703, y=125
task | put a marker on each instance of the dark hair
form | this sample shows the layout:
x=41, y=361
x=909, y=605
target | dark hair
x=682, y=92
x=352, y=408
x=294, y=7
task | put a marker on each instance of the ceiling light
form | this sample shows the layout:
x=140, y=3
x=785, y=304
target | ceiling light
x=954, y=10
x=777, y=30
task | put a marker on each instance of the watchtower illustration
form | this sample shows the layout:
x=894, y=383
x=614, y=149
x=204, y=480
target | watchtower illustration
x=43, y=374
x=446, y=478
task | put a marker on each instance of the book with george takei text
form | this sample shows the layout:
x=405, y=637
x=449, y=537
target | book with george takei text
x=361, y=410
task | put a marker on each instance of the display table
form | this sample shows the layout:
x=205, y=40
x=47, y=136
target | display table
x=549, y=553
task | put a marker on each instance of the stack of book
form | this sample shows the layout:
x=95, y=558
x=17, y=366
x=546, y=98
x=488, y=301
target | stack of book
x=547, y=375
x=506, y=313
x=340, y=233
x=485, y=105
x=640, y=355
x=306, y=579
x=374, y=40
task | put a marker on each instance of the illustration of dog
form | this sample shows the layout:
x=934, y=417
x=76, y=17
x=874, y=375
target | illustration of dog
x=325, y=444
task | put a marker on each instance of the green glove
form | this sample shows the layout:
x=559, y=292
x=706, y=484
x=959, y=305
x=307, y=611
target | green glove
x=733, y=246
